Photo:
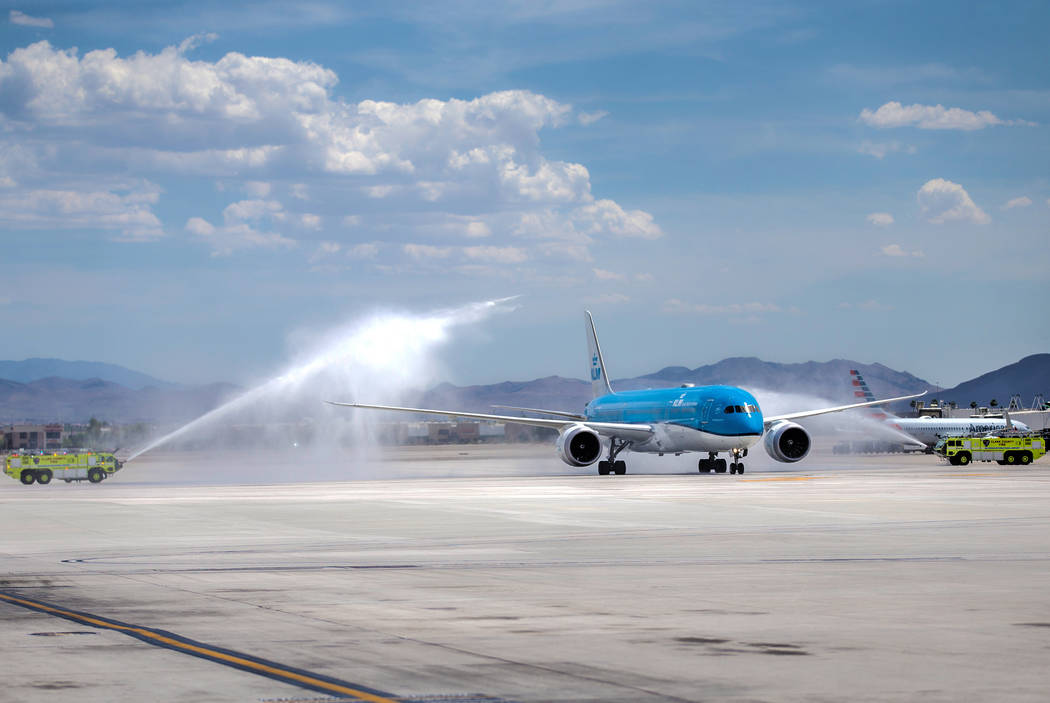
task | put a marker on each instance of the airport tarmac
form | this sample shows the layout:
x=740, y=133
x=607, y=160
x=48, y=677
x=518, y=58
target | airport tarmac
x=192, y=578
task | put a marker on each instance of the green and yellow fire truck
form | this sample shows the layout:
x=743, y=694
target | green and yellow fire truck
x=1022, y=449
x=41, y=468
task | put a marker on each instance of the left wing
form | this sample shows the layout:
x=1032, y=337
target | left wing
x=823, y=411
x=622, y=430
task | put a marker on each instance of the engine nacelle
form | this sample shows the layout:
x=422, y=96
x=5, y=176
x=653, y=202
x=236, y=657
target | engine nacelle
x=579, y=445
x=787, y=442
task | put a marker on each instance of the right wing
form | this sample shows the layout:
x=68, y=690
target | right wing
x=556, y=413
x=621, y=430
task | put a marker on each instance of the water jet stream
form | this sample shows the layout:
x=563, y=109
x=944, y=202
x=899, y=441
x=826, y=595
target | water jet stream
x=386, y=353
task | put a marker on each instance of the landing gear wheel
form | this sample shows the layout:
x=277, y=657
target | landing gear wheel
x=27, y=477
x=43, y=476
x=620, y=467
x=740, y=467
x=95, y=475
x=720, y=466
x=1026, y=458
x=704, y=466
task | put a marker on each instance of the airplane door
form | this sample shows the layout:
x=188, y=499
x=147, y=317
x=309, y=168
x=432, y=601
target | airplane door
x=705, y=411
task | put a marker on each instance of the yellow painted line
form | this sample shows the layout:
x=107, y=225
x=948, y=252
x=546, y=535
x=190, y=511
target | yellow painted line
x=786, y=478
x=275, y=672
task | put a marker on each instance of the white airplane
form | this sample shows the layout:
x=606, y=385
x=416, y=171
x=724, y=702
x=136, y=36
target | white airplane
x=706, y=419
x=928, y=430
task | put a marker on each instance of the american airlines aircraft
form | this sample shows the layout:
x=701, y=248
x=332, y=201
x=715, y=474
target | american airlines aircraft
x=928, y=430
x=705, y=419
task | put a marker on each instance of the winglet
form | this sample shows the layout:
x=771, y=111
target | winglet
x=599, y=379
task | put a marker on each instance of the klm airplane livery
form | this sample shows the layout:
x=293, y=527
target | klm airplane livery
x=710, y=420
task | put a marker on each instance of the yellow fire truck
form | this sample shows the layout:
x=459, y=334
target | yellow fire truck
x=1022, y=449
x=41, y=468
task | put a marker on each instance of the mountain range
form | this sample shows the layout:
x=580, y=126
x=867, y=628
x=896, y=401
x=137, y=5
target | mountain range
x=121, y=395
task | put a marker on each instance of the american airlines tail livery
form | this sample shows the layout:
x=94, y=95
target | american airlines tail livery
x=710, y=420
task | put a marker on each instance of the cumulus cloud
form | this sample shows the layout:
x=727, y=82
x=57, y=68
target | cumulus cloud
x=244, y=227
x=894, y=114
x=880, y=219
x=25, y=20
x=603, y=275
x=269, y=125
x=1023, y=201
x=942, y=201
x=499, y=255
x=125, y=216
x=896, y=250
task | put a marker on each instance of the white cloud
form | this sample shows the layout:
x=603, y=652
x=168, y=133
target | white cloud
x=324, y=250
x=128, y=216
x=497, y=255
x=365, y=250
x=1023, y=201
x=603, y=275
x=942, y=201
x=589, y=118
x=880, y=219
x=678, y=306
x=880, y=150
x=266, y=125
x=478, y=229
x=893, y=114
x=421, y=252
x=241, y=228
x=25, y=20
x=896, y=250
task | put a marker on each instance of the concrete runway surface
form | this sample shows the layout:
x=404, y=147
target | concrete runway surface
x=192, y=578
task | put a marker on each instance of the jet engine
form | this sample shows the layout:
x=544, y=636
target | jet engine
x=579, y=445
x=787, y=442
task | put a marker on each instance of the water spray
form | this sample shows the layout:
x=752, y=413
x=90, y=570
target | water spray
x=386, y=353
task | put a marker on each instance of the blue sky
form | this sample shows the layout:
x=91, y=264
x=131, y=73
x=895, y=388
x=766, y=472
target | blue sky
x=184, y=187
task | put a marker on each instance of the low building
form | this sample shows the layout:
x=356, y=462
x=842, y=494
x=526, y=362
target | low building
x=32, y=437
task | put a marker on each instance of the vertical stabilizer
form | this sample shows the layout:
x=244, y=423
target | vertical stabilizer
x=863, y=394
x=599, y=379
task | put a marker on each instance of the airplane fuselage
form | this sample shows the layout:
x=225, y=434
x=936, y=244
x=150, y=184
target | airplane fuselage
x=701, y=419
x=929, y=430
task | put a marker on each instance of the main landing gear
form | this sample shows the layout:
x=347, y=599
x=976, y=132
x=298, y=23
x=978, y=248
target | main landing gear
x=612, y=466
x=706, y=466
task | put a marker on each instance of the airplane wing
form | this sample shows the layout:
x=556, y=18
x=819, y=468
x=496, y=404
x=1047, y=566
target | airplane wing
x=621, y=430
x=556, y=413
x=810, y=413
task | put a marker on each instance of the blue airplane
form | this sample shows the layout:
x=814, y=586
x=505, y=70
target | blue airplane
x=705, y=419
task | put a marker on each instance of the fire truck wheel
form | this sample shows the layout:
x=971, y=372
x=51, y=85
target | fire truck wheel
x=27, y=477
x=963, y=458
x=43, y=476
x=95, y=475
x=1026, y=458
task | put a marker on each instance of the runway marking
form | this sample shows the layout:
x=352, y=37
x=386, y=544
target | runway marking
x=786, y=478
x=226, y=657
x=962, y=475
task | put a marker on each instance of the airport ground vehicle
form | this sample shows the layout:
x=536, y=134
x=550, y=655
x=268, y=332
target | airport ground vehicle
x=1022, y=449
x=72, y=466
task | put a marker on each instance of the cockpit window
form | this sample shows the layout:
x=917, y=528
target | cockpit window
x=729, y=409
x=740, y=409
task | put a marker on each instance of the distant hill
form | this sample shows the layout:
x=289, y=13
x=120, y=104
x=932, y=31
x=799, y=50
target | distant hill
x=76, y=400
x=69, y=400
x=35, y=369
x=1026, y=377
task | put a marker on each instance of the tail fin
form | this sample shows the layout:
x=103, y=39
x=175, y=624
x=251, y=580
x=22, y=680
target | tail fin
x=861, y=391
x=599, y=379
